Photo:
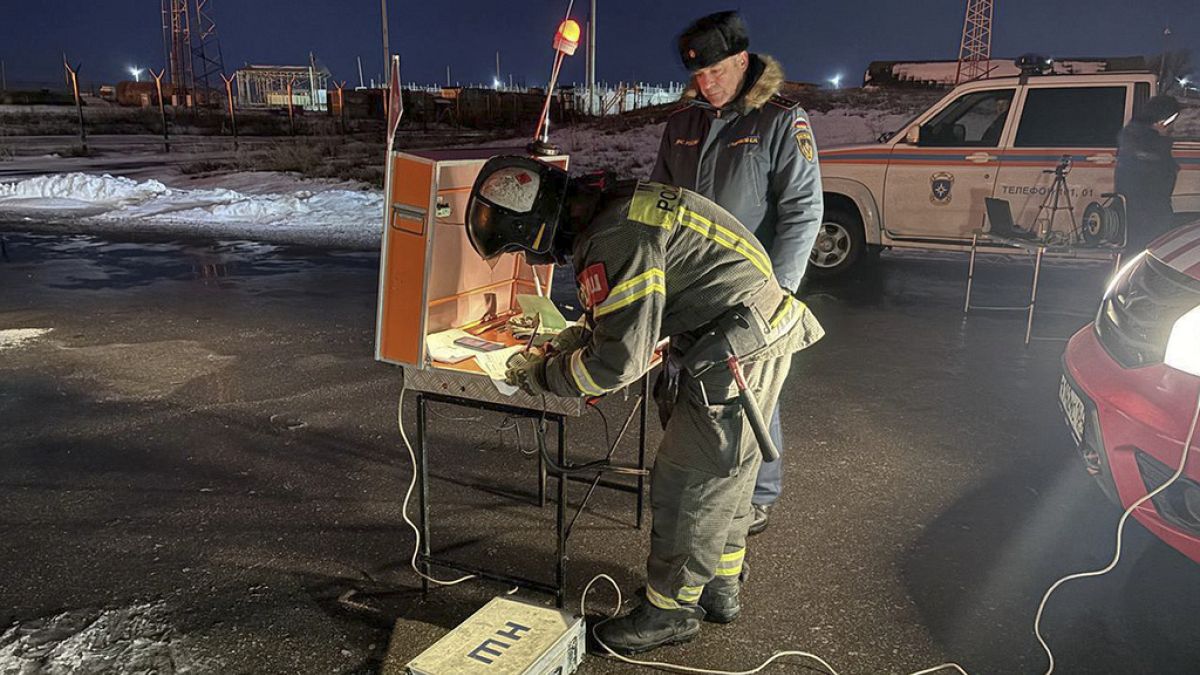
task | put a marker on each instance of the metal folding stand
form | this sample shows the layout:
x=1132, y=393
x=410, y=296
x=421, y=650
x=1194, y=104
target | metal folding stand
x=427, y=559
x=1038, y=248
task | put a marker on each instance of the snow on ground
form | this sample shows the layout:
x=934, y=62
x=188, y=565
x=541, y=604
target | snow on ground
x=283, y=208
x=136, y=639
x=632, y=152
x=12, y=338
x=319, y=216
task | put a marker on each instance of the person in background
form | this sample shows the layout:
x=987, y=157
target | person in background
x=1146, y=171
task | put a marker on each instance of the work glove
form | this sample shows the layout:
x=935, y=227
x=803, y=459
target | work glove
x=570, y=339
x=527, y=370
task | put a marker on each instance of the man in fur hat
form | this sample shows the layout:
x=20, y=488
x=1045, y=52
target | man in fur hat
x=752, y=151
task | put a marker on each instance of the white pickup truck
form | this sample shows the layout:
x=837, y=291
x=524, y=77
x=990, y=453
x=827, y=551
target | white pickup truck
x=924, y=186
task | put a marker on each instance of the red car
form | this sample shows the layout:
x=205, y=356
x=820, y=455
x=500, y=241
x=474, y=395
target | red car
x=1130, y=384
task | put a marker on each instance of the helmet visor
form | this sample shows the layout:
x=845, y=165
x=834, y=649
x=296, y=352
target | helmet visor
x=484, y=231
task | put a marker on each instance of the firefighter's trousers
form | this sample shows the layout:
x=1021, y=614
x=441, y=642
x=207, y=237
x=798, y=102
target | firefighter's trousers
x=702, y=482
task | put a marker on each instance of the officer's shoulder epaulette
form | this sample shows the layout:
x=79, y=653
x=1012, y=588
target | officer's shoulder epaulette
x=686, y=104
x=784, y=102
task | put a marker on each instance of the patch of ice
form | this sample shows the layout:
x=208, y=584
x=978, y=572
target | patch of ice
x=137, y=639
x=11, y=338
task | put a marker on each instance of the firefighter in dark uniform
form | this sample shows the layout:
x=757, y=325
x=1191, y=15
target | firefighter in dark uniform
x=654, y=262
x=750, y=150
x=1146, y=171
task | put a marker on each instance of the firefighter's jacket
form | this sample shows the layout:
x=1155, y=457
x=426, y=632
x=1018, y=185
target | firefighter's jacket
x=659, y=261
x=757, y=158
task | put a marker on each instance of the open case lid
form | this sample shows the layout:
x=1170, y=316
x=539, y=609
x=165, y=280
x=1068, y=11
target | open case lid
x=431, y=279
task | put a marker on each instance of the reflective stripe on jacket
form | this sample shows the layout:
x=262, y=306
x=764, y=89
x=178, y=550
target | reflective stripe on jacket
x=655, y=262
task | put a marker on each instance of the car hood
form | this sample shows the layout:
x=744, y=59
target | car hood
x=1180, y=249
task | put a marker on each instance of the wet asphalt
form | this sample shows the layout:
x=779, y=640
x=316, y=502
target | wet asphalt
x=205, y=429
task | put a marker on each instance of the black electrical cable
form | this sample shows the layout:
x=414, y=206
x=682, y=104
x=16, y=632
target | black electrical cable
x=604, y=419
x=602, y=465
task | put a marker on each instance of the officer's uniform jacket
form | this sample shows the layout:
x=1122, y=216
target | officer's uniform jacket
x=756, y=158
x=658, y=261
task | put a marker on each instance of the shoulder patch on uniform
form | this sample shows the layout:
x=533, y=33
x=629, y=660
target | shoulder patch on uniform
x=802, y=132
x=593, y=285
x=655, y=204
x=784, y=102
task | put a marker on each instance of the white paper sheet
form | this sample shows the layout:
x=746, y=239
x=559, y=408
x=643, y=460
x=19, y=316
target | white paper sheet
x=495, y=364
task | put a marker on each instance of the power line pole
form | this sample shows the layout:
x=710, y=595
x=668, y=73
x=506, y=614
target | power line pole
x=73, y=78
x=387, y=53
x=591, y=60
x=1162, y=61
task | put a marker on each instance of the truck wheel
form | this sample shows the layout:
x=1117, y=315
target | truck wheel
x=841, y=244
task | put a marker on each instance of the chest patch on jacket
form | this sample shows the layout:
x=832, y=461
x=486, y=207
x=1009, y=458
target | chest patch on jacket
x=753, y=139
x=655, y=204
x=687, y=142
x=593, y=285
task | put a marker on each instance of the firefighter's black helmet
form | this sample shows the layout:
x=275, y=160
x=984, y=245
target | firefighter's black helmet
x=516, y=205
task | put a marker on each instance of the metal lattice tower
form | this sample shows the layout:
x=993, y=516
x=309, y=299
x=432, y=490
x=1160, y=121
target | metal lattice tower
x=206, y=49
x=177, y=44
x=975, y=51
x=192, y=52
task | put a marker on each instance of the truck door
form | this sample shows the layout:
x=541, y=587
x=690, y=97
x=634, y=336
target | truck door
x=1072, y=126
x=935, y=189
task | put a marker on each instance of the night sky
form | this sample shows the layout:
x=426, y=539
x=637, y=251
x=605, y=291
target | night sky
x=635, y=40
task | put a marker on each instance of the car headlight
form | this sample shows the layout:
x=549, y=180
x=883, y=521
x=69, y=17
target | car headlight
x=1183, y=347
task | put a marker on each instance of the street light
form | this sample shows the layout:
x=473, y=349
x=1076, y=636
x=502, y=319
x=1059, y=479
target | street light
x=836, y=81
x=136, y=72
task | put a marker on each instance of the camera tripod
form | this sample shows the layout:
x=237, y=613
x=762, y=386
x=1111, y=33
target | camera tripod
x=1058, y=198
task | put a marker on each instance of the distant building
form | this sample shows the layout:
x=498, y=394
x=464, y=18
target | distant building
x=143, y=94
x=267, y=86
x=938, y=74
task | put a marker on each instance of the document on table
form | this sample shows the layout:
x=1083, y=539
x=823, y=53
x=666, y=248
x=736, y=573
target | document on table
x=495, y=364
x=442, y=348
x=552, y=320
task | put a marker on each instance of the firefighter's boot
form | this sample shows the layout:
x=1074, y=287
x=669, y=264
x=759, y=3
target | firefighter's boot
x=648, y=627
x=720, y=599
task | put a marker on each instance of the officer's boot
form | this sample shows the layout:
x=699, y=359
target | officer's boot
x=648, y=627
x=720, y=599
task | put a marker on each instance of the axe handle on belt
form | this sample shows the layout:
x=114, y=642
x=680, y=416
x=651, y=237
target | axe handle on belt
x=769, y=452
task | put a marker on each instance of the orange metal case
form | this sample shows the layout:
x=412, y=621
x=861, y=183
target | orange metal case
x=430, y=279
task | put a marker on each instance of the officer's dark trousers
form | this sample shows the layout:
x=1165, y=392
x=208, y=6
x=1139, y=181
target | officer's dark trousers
x=702, y=482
